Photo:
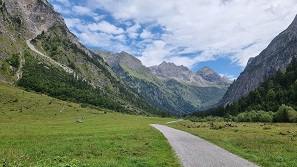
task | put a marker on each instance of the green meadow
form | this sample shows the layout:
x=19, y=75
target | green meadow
x=270, y=144
x=37, y=130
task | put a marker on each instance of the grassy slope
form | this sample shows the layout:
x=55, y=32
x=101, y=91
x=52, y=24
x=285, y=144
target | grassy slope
x=266, y=145
x=36, y=133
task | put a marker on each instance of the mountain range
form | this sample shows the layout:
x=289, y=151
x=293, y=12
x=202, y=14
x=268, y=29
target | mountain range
x=39, y=53
x=168, y=86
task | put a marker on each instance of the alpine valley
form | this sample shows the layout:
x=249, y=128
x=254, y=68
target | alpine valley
x=63, y=104
x=169, y=87
x=39, y=53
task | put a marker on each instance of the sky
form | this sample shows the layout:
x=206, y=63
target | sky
x=220, y=34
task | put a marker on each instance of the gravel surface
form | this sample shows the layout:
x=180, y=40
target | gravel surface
x=32, y=47
x=196, y=152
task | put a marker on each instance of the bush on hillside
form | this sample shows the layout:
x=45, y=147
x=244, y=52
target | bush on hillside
x=254, y=116
x=285, y=114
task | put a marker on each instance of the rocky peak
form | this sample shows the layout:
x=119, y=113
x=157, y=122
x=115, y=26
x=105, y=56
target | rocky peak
x=122, y=58
x=129, y=61
x=209, y=74
x=250, y=60
x=35, y=15
x=167, y=69
x=293, y=26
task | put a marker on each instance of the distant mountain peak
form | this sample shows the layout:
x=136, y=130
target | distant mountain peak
x=168, y=66
x=206, y=69
x=209, y=74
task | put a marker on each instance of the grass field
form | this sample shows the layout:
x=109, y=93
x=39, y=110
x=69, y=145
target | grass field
x=264, y=144
x=37, y=130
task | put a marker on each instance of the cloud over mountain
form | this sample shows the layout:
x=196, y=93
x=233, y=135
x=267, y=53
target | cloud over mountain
x=184, y=32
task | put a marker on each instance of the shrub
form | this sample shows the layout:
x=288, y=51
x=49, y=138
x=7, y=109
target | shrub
x=285, y=114
x=266, y=117
x=15, y=60
x=254, y=116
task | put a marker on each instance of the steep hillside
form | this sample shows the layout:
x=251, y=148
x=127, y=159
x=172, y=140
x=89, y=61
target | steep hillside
x=55, y=62
x=275, y=57
x=168, y=87
x=276, y=94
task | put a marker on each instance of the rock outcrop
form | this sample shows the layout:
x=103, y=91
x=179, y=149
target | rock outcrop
x=209, y=74
x=35, y=15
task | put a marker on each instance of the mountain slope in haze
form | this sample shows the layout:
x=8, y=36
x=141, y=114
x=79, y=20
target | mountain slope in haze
x=89, y=79
x=276, y=56
x=168, y=87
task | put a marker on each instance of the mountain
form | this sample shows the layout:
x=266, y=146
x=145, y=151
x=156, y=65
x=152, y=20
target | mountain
x=39, y=53
x=167, y=86
x=209, y=74
x=276, y=56
x=205, y=77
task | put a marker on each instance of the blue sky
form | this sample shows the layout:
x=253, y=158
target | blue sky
x=221, y=34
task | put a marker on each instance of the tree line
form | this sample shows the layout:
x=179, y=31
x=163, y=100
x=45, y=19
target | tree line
x=276, y=97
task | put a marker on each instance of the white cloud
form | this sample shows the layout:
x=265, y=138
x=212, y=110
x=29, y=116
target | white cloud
x=95, y=39
x=72, y=22
x=64, y=2
x=217, y=27
x=212, y=26
x=146, y=34
x=61, y=9
x=155, y=53
x=230, y=77
x=132, y=31
x=82, y=10
x=106, y=27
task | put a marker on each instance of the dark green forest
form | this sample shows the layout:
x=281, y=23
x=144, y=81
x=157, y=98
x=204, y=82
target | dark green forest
x=55, y=82
x=278, y=94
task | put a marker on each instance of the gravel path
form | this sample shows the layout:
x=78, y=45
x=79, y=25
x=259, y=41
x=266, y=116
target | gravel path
x=196, y=152
x=32, y=47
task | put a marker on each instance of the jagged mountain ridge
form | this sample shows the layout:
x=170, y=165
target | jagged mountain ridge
x=167, y=86
x=205, y=77
x=276, y=56
x=36, y=22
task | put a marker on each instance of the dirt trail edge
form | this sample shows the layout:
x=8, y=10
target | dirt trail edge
x=64, y=67
x=196, y=152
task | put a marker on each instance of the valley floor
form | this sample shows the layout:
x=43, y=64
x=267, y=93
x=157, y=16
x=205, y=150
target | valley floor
x=37, y=130
x=266, y=144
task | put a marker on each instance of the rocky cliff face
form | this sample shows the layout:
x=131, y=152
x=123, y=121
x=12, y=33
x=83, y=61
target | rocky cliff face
x=275, y=57
x=209, y=74
x=35, y=15
x=168, y=87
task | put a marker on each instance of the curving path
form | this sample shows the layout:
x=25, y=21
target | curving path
x=32, y=47
x=196, y=152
